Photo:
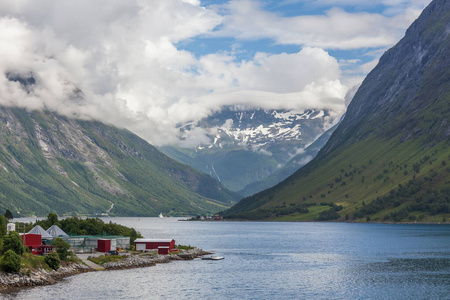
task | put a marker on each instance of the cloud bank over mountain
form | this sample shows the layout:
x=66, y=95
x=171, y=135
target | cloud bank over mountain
x=123, y=62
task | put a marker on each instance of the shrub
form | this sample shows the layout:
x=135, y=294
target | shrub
x=13, y=241
x=11, y=262
x=62, y=248
x=52, y=260
x=327, y=215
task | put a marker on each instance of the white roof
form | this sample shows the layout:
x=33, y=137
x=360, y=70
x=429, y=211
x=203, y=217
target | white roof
x=39, y=230
x=55, y=231
x=153, y=240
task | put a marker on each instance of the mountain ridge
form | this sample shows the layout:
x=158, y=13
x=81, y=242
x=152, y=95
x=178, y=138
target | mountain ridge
x=390, y=152
x=51, y=163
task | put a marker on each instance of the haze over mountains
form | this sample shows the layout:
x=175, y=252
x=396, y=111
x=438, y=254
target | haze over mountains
x=388, y=160
x=248, y=145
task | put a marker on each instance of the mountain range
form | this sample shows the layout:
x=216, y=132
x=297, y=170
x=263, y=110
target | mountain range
x=252, y=149
x=388, y=160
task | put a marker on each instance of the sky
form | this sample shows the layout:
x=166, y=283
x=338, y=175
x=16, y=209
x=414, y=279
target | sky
x=150, y=66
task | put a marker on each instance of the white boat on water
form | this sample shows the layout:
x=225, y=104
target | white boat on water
x=160, y=215
x=212, y=258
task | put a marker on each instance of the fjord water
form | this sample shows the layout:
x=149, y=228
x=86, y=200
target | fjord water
x=265, y=260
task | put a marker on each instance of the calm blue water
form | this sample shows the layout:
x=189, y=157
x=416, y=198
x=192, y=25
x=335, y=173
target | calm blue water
x=278, y=261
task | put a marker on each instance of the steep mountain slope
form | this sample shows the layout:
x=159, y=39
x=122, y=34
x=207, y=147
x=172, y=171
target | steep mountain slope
x=389, y=158
x=248, y=145
x=52, y=163
x=291, y=167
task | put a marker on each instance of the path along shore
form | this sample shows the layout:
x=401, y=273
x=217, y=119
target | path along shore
x=38, y=277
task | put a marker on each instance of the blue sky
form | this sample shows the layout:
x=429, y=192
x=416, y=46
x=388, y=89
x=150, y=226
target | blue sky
x=284, y=11
x=151, y=65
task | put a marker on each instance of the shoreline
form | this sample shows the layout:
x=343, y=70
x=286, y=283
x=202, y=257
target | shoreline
x=10, y=282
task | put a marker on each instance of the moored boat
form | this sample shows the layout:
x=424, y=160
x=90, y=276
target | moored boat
x=213, y=258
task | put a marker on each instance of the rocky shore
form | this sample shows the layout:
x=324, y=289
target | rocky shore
x=39, y=276
x=147, y=260
x=9, y=281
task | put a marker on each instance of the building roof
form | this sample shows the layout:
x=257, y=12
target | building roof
x=55, y=231
x=39, y=230
x=153, y=240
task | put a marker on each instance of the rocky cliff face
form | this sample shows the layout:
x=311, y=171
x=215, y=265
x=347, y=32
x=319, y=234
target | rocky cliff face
x=53, y=163
x=395, y=98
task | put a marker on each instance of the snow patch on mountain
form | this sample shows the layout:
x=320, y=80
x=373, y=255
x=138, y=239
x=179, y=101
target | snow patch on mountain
x=257, y=129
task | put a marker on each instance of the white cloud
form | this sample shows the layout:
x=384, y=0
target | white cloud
x=122, y=55
x=304, y=160
x=263, y=152
x=336, y=29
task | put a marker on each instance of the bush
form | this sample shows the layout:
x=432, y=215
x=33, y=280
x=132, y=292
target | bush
x=328, y=215
x=52, y=260
x=62, y=248
x=13, y=241
x=11, y=262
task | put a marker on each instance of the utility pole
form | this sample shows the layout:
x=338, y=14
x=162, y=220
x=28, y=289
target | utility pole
x=24, y=236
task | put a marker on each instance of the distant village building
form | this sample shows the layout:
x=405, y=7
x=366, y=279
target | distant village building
x=217, y=217
x=153, y=244
x=34, y=242
x=41, y=231
x=90, y=243
x=78, y=243
x=56, y=232
x=10, y=227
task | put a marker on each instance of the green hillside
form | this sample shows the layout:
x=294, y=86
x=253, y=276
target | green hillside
x=389, y=159
x=358, y=178
x=49, y=163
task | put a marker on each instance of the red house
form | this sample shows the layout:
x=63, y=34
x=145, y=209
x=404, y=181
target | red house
x=147, y=244
x=32, y=241
x=217, y=217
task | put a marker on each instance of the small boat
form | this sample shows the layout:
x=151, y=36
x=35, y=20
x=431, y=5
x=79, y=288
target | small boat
x=160, y=215
x=213, y=258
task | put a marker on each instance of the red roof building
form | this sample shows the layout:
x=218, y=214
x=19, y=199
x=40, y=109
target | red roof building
x=34, y=243
x=148, y=244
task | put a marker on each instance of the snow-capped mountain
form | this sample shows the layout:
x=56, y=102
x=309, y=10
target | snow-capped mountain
x=248, y=145
x=259, y=129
